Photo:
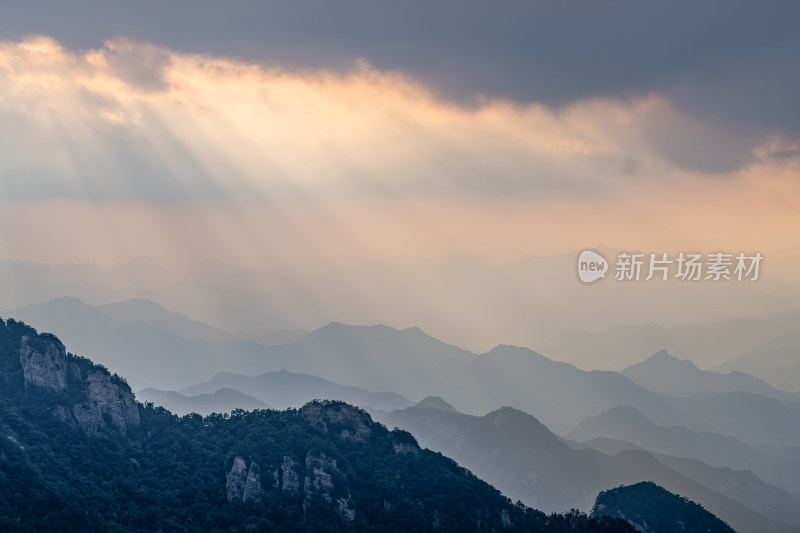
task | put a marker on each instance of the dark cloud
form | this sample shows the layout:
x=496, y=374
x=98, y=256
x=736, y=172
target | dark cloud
x=735, y=63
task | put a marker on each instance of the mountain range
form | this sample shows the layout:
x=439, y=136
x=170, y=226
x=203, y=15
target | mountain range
x=77, y=453
x=140, y=340
x=627, y=424
x=765, y=346
x=519, y=455
x=283, y=390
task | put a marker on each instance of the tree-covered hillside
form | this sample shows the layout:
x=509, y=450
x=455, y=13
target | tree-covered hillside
x=653, y=509
x=77, y=453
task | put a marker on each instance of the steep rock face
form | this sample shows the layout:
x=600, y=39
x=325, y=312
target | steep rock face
x=253, y=491
x=244, y=484
x=112, y=400
x=288, y=477
x=319, y=481
x=44, y=362
x=236, y=479
x=107, y=403
x=46, y=365
x=319, y=486
x=350, y=423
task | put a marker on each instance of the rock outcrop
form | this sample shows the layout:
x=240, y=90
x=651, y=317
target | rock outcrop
x=404, y=442
x=288, y=476
x=348, y=422
x=111, y=400
x=105, y=400
x=319, y=486
x=243, y=484
x=236, y=479
x=44, y=362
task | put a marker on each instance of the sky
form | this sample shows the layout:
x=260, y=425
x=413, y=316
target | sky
x=301, y=137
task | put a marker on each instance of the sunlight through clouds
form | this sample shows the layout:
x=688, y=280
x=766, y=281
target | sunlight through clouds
x=322, y=165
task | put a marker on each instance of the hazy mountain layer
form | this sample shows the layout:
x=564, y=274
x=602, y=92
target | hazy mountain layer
x=668, y=375
x=519, y=455
x=628, y=424
x=220, y=401
x=284, y=389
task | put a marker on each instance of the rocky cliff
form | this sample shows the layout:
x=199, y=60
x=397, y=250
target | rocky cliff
x=94, y=400
x=345, y=421
x=243, y=483
x=317, y=479
x=44, y=362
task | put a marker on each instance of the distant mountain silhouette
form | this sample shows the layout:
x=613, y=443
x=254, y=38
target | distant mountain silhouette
x=740, y=485
x=150, y=345
x=220, y=401
x=435, y=402
x=628, y=424
x=775, y=361
x=557, y=393
x=751, y=418
x=284, y=389
x=157, y=348
x=378, y=357
x=706, y=343
x=665, y=374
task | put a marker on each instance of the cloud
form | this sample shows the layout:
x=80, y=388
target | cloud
x=131, y=121
x=133, y=149
x=733, y=62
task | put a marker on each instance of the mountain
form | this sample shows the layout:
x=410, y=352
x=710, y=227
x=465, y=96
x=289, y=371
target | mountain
x=510, y=449
x=557, y=393
x=77, y=453
x=220, y=401
x=627, y=424
x=652, y=509
x=665, y=374
x=284, y=389
x=706, y=343
x=435, y=402
x=150, y=346
x=152, y=352
x=157, y=348
x=516, y=453
x=71, y=313
x=751, y=418
x=774, y=361
x=740, y=485
x=378, y=357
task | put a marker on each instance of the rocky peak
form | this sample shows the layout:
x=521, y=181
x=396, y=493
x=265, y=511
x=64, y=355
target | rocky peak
x=350, y=423
x=44, y=362
x=243, y=484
